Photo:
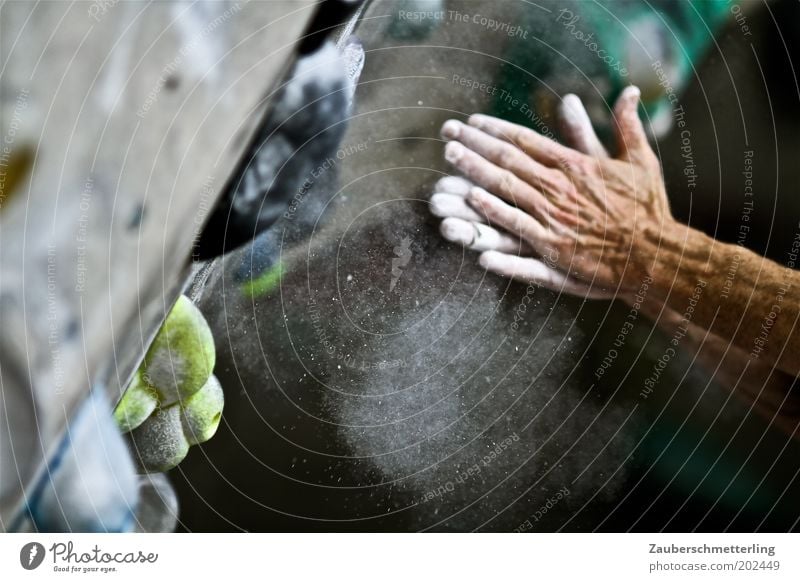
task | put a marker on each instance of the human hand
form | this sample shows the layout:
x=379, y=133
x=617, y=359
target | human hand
x=582, y=212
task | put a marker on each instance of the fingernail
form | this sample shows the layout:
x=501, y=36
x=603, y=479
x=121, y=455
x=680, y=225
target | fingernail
x=571, y=100
x=453, y=185
x=451, y=129
x=477, y=198
x=457, y=231
x=453, y=152
x=570, y=108
x=633, y=92
x=478, y=120
x=437, y=205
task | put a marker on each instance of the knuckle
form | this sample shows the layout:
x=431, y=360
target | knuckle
x=493, y=213
x=562, y=183
x=507, y=182
x=568, y=162
x=587, y=166
x=516, y=136
x=506, y=157
x=651, y=160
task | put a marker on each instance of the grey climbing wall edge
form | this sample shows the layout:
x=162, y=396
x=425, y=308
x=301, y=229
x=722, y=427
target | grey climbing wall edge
x=137, y=114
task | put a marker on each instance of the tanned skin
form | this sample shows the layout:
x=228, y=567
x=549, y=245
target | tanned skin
x=598, y=226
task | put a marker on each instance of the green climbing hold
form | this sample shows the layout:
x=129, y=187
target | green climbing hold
x=159, y=443
x=138, y=402
x=264, y=283
x=202, y=411
x=182, y=355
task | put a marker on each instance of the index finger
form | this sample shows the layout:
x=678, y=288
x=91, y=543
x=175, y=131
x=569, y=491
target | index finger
x=537, y=146
x=577, y=127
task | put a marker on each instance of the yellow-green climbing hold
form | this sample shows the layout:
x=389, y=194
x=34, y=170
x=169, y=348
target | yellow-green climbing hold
x=159, y=443
x=182, y=355
x=138, y=402
x=201, y=412
x=174, y=401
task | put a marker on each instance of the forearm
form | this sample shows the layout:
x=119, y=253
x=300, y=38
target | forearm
x=768, y=390
x=743, y=298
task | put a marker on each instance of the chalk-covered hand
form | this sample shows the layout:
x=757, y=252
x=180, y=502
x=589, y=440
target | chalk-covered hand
x=582, y=212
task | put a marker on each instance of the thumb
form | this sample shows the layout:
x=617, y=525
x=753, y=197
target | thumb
x=631, y=137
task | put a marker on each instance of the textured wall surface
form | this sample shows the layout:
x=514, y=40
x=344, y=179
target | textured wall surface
x=123, y=121
x=379, y=382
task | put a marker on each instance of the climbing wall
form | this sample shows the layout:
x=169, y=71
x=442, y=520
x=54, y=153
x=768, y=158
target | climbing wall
x=377, y=379
x=121, y=123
